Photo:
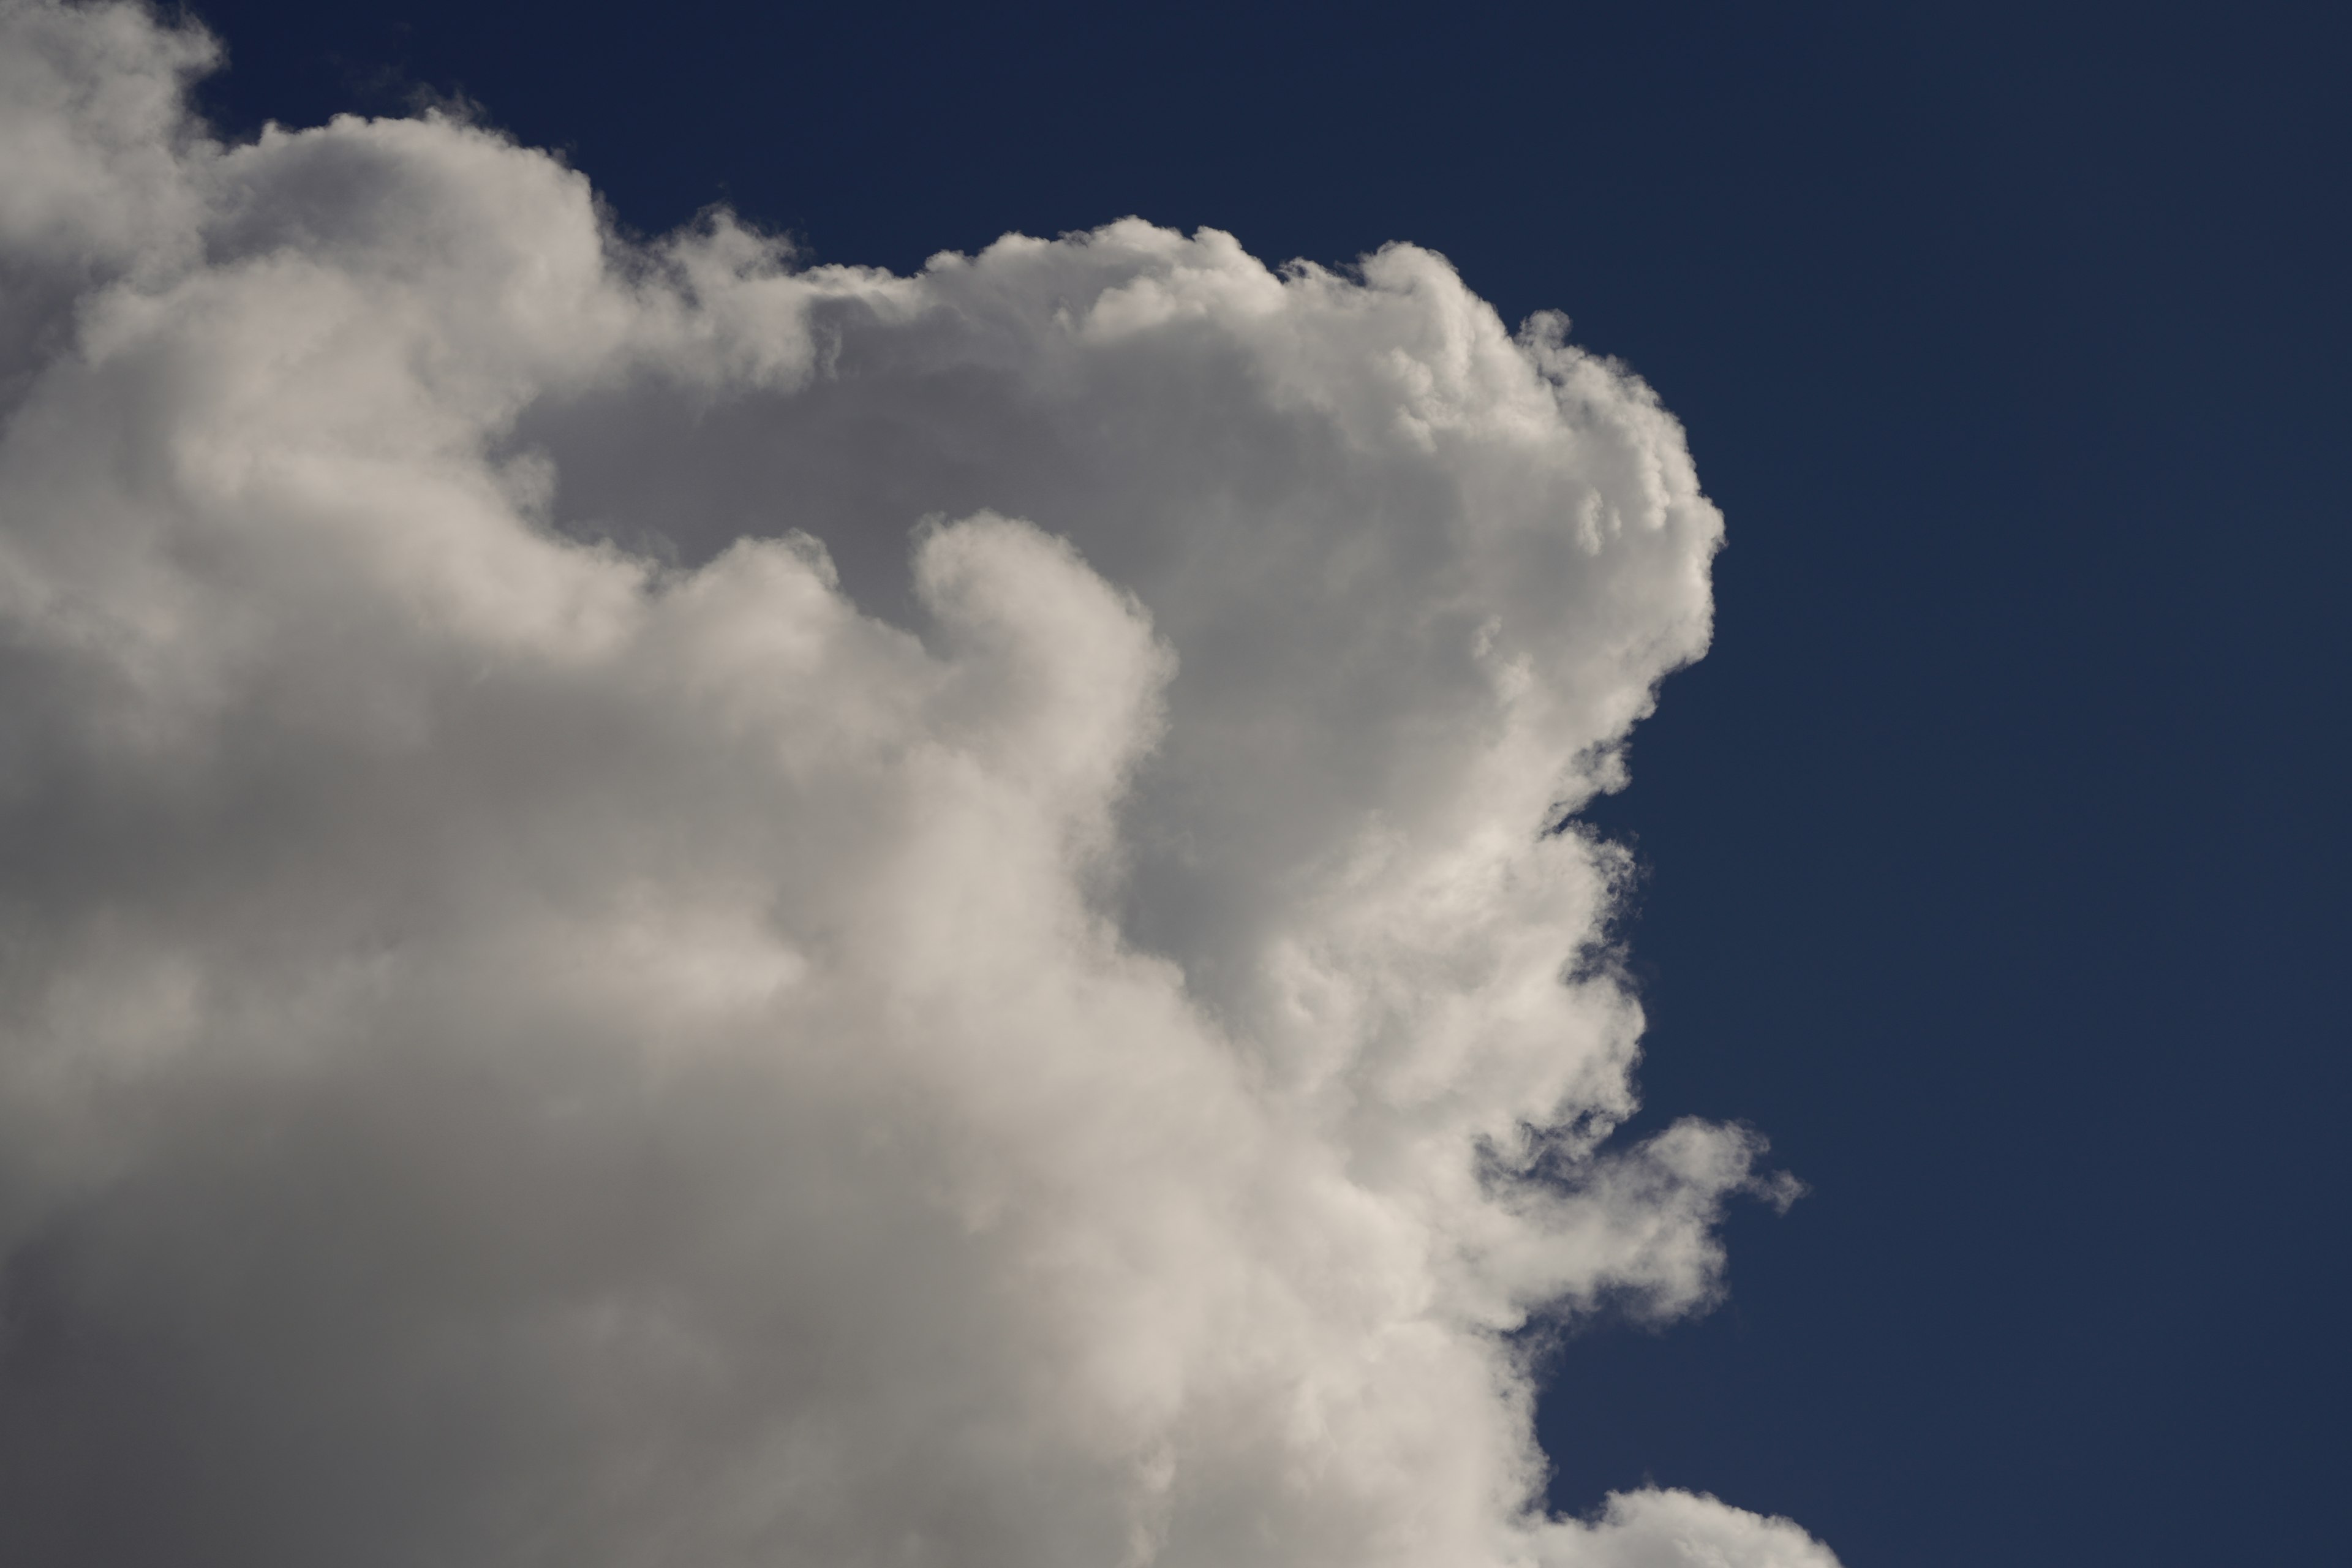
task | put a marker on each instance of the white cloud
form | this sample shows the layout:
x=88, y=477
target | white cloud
x=663, y=908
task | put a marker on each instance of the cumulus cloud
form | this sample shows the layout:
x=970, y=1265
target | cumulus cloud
x=662, y=906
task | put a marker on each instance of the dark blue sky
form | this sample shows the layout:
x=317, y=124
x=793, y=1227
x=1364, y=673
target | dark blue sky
x=1996, y=866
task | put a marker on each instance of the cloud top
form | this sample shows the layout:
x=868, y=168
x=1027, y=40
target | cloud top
x=666, y=907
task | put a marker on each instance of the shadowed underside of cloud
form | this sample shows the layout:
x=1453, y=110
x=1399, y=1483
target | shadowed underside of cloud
x=664, y=907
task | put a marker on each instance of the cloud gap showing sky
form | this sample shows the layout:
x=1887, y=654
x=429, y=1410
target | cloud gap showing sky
x=666, y=907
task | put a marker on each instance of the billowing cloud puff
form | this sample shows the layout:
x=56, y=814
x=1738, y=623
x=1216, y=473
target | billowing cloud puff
x=662, y=908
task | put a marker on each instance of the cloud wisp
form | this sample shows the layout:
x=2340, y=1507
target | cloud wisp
x=662, y=906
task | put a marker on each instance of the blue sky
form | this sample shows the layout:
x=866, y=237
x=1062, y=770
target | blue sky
x=1991, y=862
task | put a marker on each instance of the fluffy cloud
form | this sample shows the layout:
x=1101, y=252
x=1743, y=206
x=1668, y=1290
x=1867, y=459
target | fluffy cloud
x=665, y=908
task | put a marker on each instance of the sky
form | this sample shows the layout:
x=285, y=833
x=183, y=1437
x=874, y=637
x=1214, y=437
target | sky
x=537, y=1032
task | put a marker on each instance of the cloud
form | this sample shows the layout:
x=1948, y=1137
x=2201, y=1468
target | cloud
x=661, y=907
